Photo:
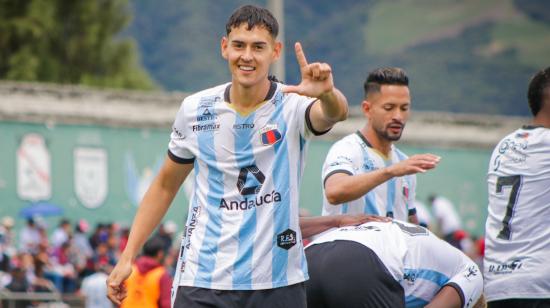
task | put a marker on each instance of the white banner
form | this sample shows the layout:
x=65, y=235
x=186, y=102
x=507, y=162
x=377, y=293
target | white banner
x=90, y=176
x=33, y=169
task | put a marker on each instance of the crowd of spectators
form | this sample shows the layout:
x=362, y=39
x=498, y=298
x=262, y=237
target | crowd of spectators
x=71, y=260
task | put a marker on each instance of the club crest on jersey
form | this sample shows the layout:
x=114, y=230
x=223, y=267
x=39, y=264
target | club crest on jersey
x=270, y=134
x=523, y=135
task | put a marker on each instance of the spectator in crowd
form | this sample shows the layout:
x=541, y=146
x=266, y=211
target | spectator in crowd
x=149, y=284
x=166, y=232
x=82, y=248
x=64, y=274
x=7, y=236
x=423, y=214
x=29, y=237
x=517, y=231
x=364, y=172
x=94, y=288
x=61, y=234
x=449, y=225
x=103, y=256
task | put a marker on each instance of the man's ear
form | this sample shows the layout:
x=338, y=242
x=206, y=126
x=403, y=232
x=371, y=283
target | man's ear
x=277, y=49
x=223, y=47
x=366, y=107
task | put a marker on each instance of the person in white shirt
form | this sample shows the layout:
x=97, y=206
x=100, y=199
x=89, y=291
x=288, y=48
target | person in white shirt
x=517, y=231
x=94, y=288
x=389, y=264
x=364, y=172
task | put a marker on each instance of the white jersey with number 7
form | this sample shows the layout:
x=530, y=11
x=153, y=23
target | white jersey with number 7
x=517, y=246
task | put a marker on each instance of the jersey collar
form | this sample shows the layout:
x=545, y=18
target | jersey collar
x=531, y=126
x=270, y=93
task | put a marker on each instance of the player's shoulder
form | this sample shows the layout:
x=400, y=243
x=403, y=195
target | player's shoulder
x=208, y=96
x=349, y=144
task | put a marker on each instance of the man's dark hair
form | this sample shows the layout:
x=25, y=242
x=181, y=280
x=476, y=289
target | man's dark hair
x=253, y=16
x=153, y=246
x=538, y=84
x=385, y=76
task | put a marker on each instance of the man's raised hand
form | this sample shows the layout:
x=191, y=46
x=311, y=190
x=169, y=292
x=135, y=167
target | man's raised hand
x=316, y=77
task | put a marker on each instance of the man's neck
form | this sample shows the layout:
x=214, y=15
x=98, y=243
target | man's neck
x=377, y=143
x=542, y=119
x=248, y=98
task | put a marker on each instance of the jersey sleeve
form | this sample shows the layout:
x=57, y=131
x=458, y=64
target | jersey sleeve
x=179, y=145
x=303, y=110
x=468, y=283
x=340, y=159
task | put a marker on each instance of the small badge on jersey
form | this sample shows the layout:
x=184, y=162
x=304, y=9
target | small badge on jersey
x=471, y=272
x=406, y=192
x=286, y=239
x=270, y=134
x=523, y=135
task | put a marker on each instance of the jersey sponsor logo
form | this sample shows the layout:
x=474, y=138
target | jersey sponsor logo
x=369, y=164
x=511, y=151
x=208, y=101
x=243, y=126
x=195, y=213
x=270, y=134
x=207, y=116
x=471, y=272
x=410, y=276
x=249, y=183
x=286, y=239
x=178, y=133
x=505, y=268
x=359, y=228
x=248, y=204
x=206, y=127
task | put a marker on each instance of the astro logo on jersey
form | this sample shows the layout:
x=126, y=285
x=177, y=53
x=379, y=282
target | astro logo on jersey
x=249, y=183
x=270, y=134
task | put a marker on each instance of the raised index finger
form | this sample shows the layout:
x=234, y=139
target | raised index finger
x=300, y=56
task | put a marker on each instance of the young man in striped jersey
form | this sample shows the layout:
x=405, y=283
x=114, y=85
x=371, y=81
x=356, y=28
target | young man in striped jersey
x=246, y=141
x=364, y=172
x=517, y=232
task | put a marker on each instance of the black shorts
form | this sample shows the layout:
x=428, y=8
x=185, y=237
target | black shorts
x=520, y=303
x=348, y=274
x=283, y=297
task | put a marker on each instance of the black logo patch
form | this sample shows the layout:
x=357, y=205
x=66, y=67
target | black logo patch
x=250, y=190
x=287, y=239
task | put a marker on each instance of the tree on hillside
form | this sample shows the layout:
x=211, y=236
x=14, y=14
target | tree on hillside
x=67, y=41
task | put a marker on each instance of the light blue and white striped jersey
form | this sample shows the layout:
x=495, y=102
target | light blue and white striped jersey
x=354, y=155
x=242, y=231
x=416, y=258
x=517, y=231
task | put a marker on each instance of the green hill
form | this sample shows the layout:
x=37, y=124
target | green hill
x=462, y=55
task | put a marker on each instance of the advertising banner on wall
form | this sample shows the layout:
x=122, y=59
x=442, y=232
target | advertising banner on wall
x=90, y=176
x=33, y=169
